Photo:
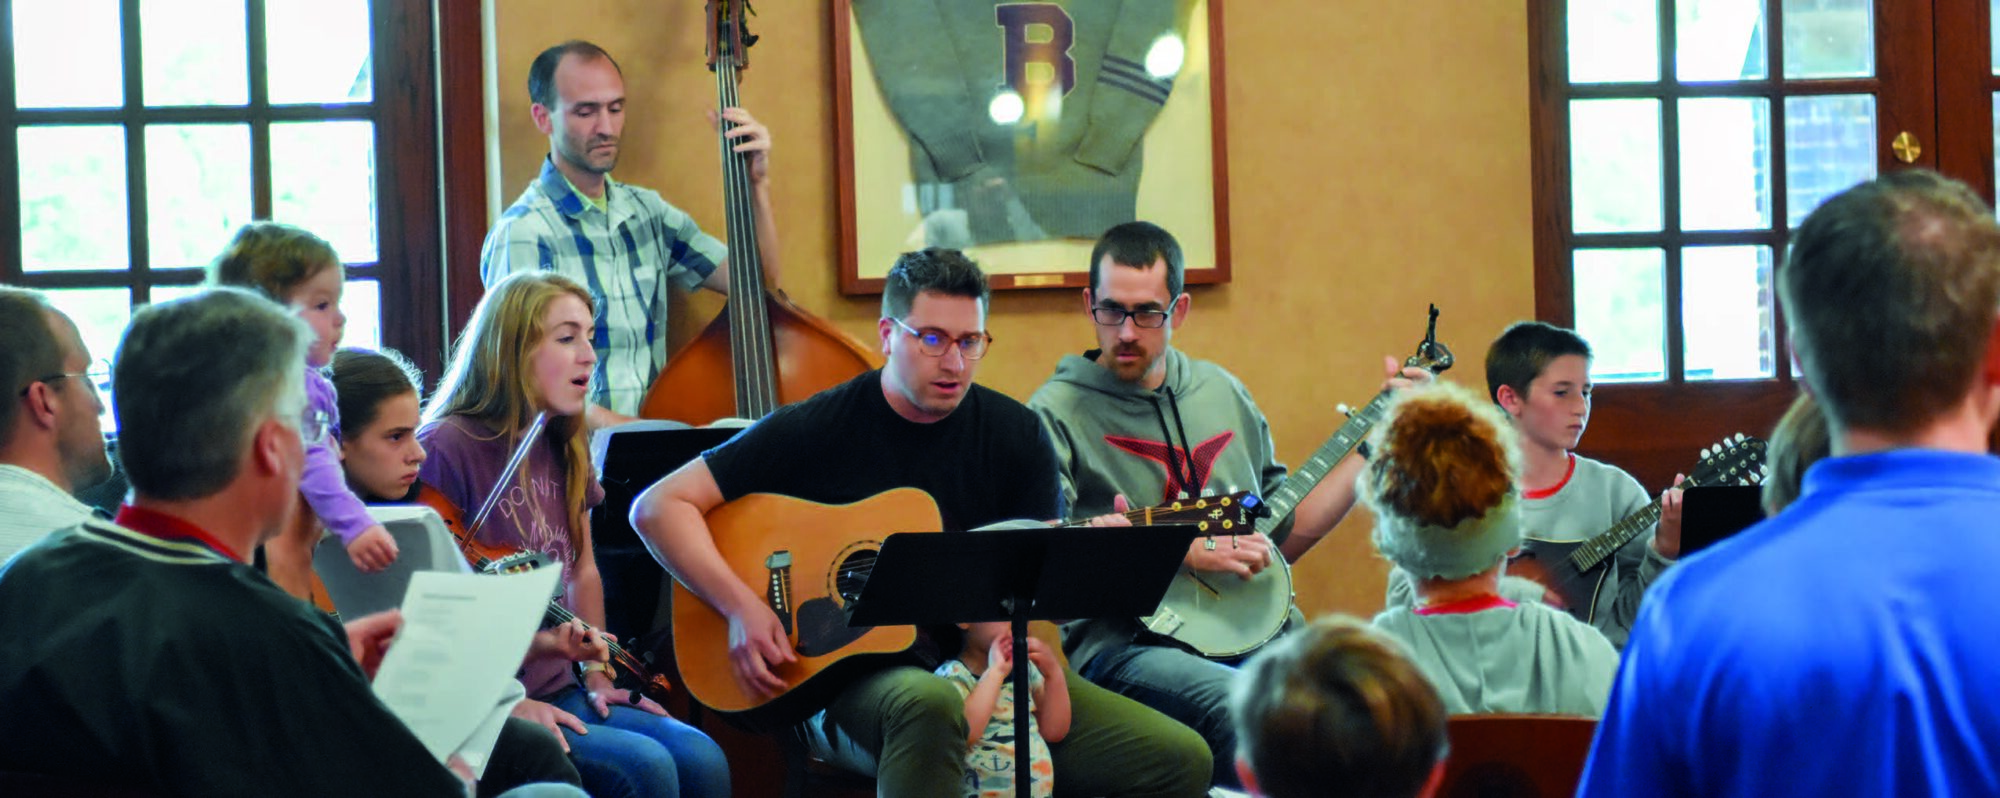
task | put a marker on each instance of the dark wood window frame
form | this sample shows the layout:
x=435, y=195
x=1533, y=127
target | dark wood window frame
x=407, y=189
x=1656, y=429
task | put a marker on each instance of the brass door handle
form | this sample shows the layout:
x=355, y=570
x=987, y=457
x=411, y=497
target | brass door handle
x=1906, y=147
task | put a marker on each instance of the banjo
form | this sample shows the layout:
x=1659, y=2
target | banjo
x=1222, y=615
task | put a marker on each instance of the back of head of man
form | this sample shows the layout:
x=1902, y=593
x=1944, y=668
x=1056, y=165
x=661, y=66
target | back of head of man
x=49, y=423
x=1892, y=290
x=210, y=407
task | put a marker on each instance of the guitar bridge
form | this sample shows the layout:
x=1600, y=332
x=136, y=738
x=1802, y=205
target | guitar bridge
x=778, y=591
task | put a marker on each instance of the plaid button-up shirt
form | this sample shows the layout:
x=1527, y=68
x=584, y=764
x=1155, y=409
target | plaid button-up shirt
x=624, y=254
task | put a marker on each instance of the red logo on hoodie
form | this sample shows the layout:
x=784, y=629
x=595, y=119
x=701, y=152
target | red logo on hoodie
x=1196, y=465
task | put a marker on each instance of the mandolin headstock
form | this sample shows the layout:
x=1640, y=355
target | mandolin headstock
x=1737, y=460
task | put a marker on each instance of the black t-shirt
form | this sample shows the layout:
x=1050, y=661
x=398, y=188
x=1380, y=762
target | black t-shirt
x=988, y=461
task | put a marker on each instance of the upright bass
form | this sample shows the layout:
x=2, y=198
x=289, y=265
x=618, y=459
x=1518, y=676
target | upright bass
x=762, y=350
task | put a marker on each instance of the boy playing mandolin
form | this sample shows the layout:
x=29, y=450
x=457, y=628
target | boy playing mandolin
x=1540, y=374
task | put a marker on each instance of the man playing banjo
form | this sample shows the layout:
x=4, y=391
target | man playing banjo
x=1135, y=419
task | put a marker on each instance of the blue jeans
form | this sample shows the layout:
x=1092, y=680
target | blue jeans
x=637, y=754
x=1188, y=688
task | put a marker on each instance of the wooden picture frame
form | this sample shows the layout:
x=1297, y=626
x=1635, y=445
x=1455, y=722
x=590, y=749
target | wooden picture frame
x=1178, y=164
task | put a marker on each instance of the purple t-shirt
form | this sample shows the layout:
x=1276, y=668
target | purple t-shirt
x=323, y=483
x=465, y=459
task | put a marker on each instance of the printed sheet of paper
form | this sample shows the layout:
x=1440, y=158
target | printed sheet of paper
x=462, y=640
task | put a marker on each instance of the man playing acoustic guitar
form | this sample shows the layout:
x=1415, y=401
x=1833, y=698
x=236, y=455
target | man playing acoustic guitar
x=1137, y=420
x=918, y=422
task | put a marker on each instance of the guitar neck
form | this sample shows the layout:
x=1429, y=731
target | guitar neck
x=749, y=318
x=1309, y=473
x=1608, y=542
x=1730, y=462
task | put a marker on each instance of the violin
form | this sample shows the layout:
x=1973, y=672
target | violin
x=490, y=559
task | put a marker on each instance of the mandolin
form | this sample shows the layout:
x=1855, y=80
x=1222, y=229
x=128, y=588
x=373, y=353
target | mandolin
x=1573, y=571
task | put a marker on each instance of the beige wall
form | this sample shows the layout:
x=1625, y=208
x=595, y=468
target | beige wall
x=1378, y=161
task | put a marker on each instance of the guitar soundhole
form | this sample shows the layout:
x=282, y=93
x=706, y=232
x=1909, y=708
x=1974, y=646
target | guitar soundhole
x=851, y=570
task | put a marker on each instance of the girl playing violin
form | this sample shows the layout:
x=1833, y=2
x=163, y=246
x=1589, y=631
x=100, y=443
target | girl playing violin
x=380, y=454
x=527, y=351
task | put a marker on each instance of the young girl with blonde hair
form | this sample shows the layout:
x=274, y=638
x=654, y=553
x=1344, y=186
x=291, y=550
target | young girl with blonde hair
x=300, y=270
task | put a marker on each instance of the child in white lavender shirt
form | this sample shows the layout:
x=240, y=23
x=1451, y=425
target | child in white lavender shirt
x=300, y=270
x=982, y=674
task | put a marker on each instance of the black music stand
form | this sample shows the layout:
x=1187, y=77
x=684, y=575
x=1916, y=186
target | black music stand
x=1020, y=575
x=1710, y=513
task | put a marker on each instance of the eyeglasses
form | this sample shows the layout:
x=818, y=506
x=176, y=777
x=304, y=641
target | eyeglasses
x=933, y=341
x=314, y=426
x=99, y=377
x=1112, y=317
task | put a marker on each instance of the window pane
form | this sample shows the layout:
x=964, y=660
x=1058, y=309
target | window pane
x=323, y=179
x=1614, y=41
x=1615, y=165
x=1621, y=310
x=1719, y=40
x=195, y=52
x=1726, y=313
x=1725, y=163
x=1829, y=146
x=162, y=293
x=67, y=54
x=73, y=197
x=1829, y=38
x=362, y=302
x=101, y=315
x=197, y=190
x=319, y=51
x=1993, y=21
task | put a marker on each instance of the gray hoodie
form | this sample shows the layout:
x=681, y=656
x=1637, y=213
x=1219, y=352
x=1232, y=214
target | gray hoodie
x=1114, y=437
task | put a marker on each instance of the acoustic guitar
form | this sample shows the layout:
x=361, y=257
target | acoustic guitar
x=809, y=560
x=1573, y=571
x=1224, y=616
